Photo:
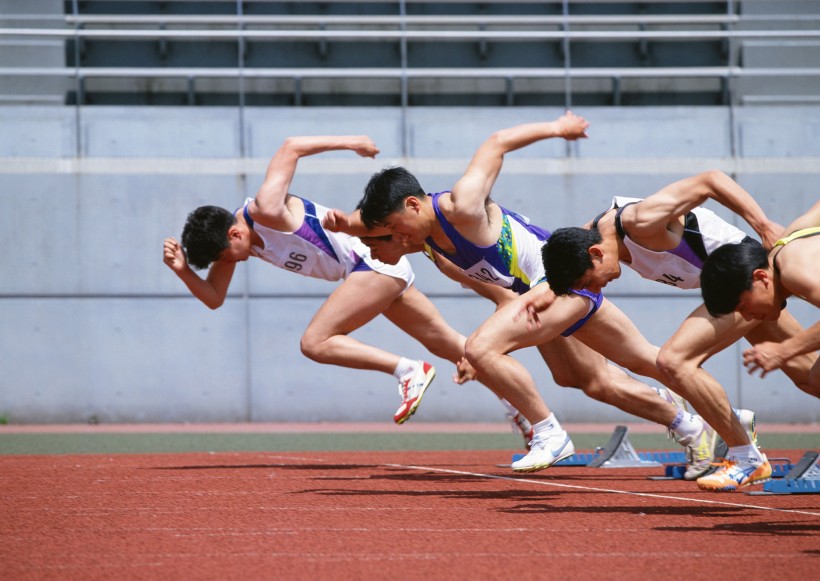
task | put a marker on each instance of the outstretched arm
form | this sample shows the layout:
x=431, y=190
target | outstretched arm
x=650, y=218
x=269, y=207
x=213, y=289
x=472, y=190
x=339, y=221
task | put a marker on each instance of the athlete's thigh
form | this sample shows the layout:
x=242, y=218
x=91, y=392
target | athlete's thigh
x=360, y=298
x=701, y=335
x=572, y=363
x=798, y=369
x=415, y=314
x=612, y=334
x=507, y=327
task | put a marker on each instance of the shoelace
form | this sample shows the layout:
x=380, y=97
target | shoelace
x=724, y=464
x=404, y=387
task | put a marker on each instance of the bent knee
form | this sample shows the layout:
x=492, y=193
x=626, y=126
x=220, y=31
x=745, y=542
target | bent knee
x=477, y=349
x=311, y=347
x=673, y=366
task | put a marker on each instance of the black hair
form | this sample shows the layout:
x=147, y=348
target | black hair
x=727, y=273
x=566, y=256
x=205, y=235
x=385, y=193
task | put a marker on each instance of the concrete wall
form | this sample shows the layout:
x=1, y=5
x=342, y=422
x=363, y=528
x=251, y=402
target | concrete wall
x=96, y=328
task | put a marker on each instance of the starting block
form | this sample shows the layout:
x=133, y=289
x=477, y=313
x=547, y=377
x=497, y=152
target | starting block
x=802, y=478
x=677, y=470
x=619, y=453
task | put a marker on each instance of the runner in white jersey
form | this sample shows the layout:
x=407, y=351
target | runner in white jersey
x=666, y=238
x=318, y=253
x=286, y=231
x=466, y=229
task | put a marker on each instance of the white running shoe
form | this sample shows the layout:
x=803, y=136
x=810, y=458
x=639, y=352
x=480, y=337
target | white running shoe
x=521, y=425
x=545, y=450
x=411, y=389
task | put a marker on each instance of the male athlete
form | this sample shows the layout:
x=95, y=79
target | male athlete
x=285, y=230
x=754, y=283
x=666, y=238
x=492, y=244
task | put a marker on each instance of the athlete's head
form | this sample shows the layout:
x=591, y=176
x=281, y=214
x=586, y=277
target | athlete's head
x=579, y=258
x=385, y=197
x=212, y=233
x=737, y=277
x=386, y=248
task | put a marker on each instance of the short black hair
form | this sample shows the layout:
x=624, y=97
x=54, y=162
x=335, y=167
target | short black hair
x=566, y=257
x=385, y=193
x=727, y=273
x=205, y=235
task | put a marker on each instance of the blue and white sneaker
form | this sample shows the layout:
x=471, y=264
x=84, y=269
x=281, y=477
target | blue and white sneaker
x=545, y=450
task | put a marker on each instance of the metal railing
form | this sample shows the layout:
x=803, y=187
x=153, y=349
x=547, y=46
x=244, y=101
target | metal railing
x=730, y=29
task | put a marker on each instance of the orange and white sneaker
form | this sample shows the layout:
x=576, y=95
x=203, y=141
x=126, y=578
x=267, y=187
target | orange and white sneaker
x=733, y=474
x=411, y=389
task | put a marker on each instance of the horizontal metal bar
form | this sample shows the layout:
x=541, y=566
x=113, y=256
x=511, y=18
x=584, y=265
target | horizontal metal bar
x=526, y=20
x=413, y=35
x=386, y=73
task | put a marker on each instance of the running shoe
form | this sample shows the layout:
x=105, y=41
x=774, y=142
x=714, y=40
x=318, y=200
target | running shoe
x=411, y=389
x=734, y=474
x=700, y=452
x=747, y=418
x=521, y=425
x=545, y=450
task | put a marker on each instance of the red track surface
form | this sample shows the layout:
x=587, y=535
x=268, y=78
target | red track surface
x=402, y=515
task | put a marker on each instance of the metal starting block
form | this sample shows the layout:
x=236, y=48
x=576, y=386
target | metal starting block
x=802, y=478
x=619, y=453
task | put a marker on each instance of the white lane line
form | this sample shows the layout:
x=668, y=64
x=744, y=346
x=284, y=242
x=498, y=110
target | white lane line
x=609, y=490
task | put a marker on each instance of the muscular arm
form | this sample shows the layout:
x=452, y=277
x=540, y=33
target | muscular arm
x=339, y=221
x=211, y=290
x=471, y=192
x=649, y=222
x=269, y=207
x=810, y=219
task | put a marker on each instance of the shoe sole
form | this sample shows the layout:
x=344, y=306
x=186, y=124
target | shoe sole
x=733, y=488
x=428, y=379
x=539, y=467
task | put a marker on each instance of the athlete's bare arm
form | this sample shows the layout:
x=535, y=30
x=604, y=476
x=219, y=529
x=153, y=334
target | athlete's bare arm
x=655, y=223
x=269, y=206
x=211, y=290
x=469, y=195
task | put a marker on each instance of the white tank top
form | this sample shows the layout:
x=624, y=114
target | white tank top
x=318, y=253
x=704, y=231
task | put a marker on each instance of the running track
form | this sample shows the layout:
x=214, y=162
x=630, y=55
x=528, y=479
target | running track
x=387, y=514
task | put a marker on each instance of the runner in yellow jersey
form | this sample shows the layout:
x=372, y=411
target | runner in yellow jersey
x=756, y=284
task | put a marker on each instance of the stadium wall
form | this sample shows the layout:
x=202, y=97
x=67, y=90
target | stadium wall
x=97, y=329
